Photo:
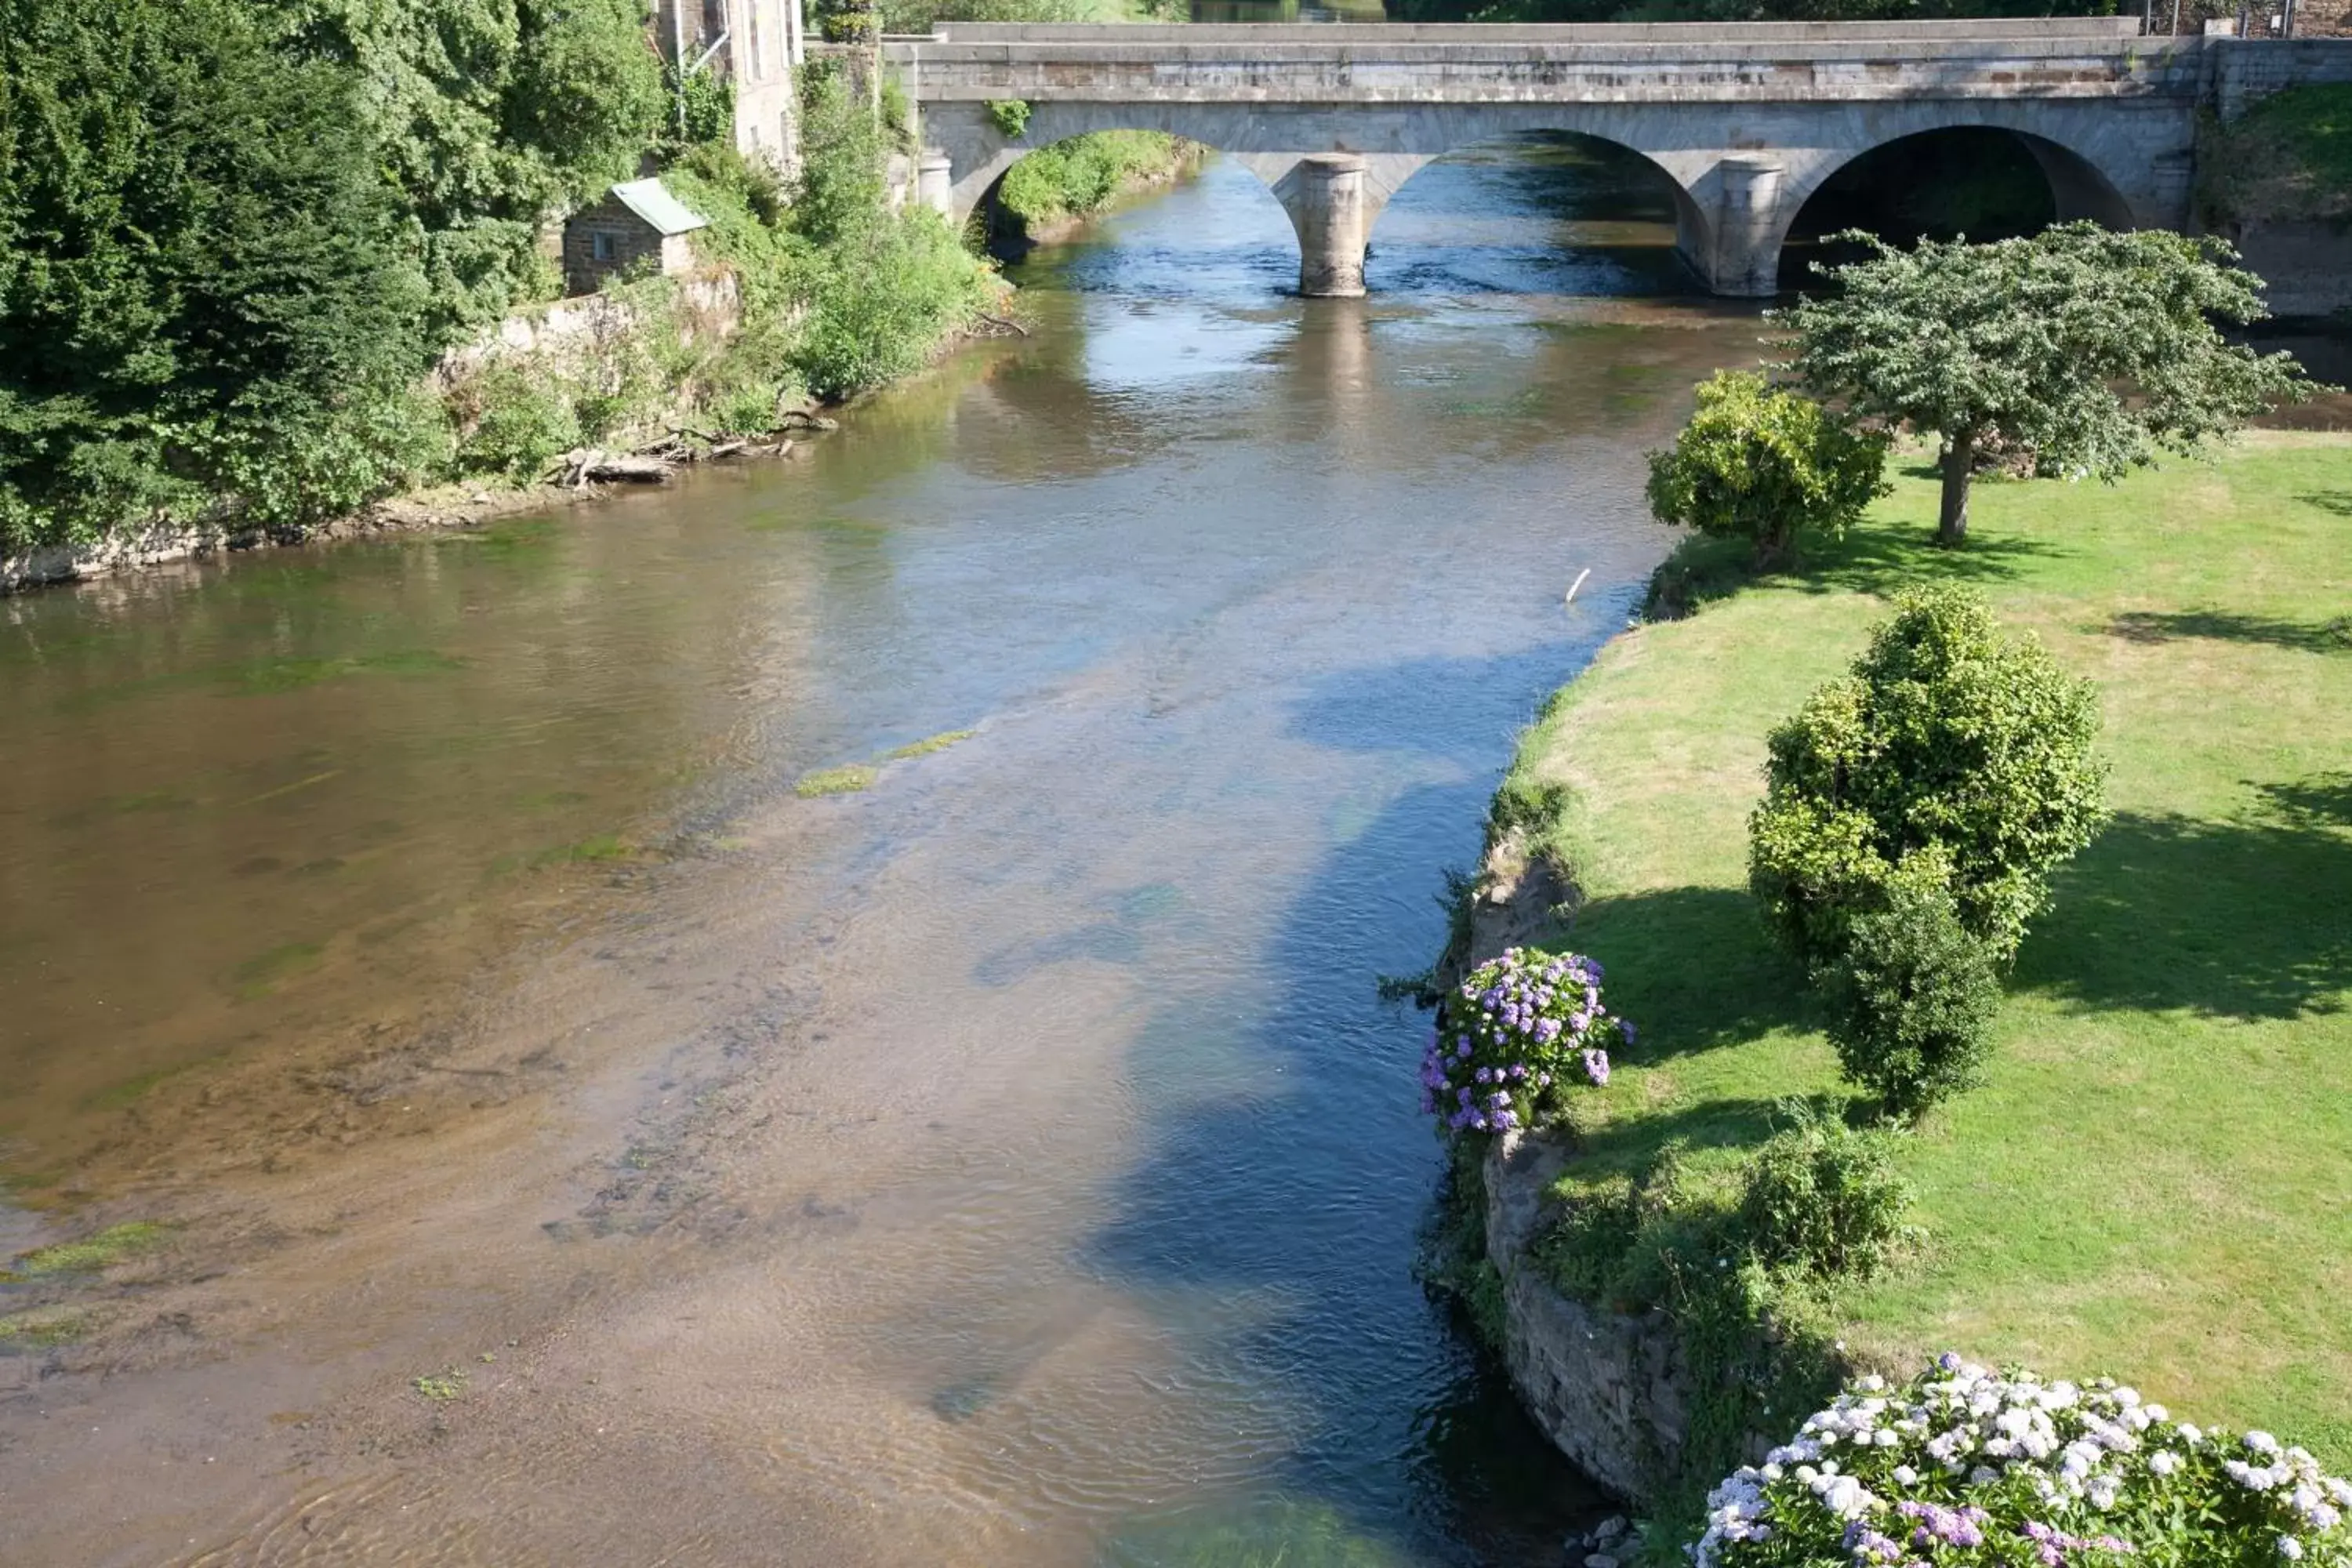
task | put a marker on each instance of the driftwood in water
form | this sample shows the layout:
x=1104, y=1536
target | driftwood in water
x=594, y=464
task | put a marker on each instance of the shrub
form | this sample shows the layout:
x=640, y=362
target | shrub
x=1761, y=465
x=1911, y=997
x=202, y=271
x=1080, y=174
x=1010, y=116
x=1513, y=1037
x=523, y=424
x=1966, y=1465
x=1821, y=1198
x=1948, y=737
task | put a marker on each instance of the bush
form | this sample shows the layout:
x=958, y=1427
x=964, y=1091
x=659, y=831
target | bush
x=203, y=282
x=1913, y=996
x=1010, y=116
x=1948, y=737
x=1080, y=174
x=1967, y=1466
x=1513, y=1038
x=1822, y=1199
x=1761, y=465
x=524, y=423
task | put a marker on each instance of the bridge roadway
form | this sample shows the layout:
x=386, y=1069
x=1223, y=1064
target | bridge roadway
x=1746, y=120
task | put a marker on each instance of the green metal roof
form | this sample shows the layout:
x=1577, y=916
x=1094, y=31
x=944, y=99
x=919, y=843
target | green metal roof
x=651, y=201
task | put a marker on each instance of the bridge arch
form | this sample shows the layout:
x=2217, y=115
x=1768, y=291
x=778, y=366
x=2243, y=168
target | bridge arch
x=2076, y=185
x=1626, y=178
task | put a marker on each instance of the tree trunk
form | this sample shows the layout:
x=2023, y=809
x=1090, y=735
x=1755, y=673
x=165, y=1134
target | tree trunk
x=1960, y=463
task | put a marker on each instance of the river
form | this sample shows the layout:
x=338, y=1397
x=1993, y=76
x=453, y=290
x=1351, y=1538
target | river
x=581, y=1142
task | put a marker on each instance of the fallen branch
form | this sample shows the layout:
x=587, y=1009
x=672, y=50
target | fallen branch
x=1001, y=321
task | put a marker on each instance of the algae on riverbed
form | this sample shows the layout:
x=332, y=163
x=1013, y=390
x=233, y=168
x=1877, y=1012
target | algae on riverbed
x=94, y=1253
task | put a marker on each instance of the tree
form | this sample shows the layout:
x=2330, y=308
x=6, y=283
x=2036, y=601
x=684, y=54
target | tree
x=2093, y=350
x=1949, y=739
x=1911, y=997
x=485, y=115
x=1759, y=465
x=208, y=295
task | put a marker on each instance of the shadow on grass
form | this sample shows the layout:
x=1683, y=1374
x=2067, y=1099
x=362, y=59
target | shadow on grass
x=1875, y=558
x=2242, y=920
x=2224, y=626
x=2338, y=501
x=1727, y=1121
x=1692, y=967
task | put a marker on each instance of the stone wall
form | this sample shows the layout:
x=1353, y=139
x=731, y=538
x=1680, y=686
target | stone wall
x=1611, y=1392
x=2307, y=266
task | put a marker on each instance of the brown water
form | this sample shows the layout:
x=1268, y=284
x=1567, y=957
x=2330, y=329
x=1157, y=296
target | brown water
x=1008, y=1163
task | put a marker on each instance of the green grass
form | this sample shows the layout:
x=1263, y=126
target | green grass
x=929, y=744
x=850, y=780
x=2287, y=157
x=2153, y=1181
x=1080, y=175
x=93, y=1253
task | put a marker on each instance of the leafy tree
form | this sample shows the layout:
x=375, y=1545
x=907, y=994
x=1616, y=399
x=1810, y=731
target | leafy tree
x=2094, y=351
x=204, y=292
x=486, y=115
x=1949, y=738
x=1913, y=994
x=1761, y=464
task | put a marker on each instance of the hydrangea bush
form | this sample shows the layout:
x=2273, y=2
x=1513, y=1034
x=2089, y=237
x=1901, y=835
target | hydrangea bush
x=1970, y=1467
x=1513, y=1037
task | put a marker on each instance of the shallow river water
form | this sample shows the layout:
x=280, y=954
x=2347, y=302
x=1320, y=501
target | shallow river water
x=1007, y=1164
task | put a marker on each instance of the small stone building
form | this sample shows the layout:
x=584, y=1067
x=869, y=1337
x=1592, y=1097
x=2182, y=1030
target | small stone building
x=637, y=221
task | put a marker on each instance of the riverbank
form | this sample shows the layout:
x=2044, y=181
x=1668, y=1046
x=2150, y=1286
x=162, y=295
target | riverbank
x=2142, y=1186
x=1052, y=194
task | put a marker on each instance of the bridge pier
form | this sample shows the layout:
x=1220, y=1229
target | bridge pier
x=1741, y=258
x=1326, y=199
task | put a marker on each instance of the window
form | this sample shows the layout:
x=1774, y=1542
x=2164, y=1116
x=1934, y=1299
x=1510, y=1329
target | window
x=603, y=247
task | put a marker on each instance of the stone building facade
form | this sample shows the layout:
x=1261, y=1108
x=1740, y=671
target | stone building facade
x=755, y=44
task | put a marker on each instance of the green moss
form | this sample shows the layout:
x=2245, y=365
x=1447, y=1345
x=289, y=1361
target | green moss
x=93, y=1253
x=270, y=677
x=131, y=1090
x=929, y=744
x=850, y=780
x=440, y=1387
x=260, y=975
x=42, y=1330
x=595, y=849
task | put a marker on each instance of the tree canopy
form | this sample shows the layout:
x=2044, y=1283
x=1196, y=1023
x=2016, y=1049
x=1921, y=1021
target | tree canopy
x=204, y=267
x=485, y=114
x=2094, y=351
x=1952, y=750
x=1761, y=465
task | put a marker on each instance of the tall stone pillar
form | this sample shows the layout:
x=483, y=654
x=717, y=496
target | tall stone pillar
x=1747, y=261
x=934, y=181
x=1328, y=209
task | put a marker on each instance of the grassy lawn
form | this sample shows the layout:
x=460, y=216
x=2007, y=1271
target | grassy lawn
x=2156, y=1181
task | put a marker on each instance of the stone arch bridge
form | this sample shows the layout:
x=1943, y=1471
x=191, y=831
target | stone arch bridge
x=1746, y=120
